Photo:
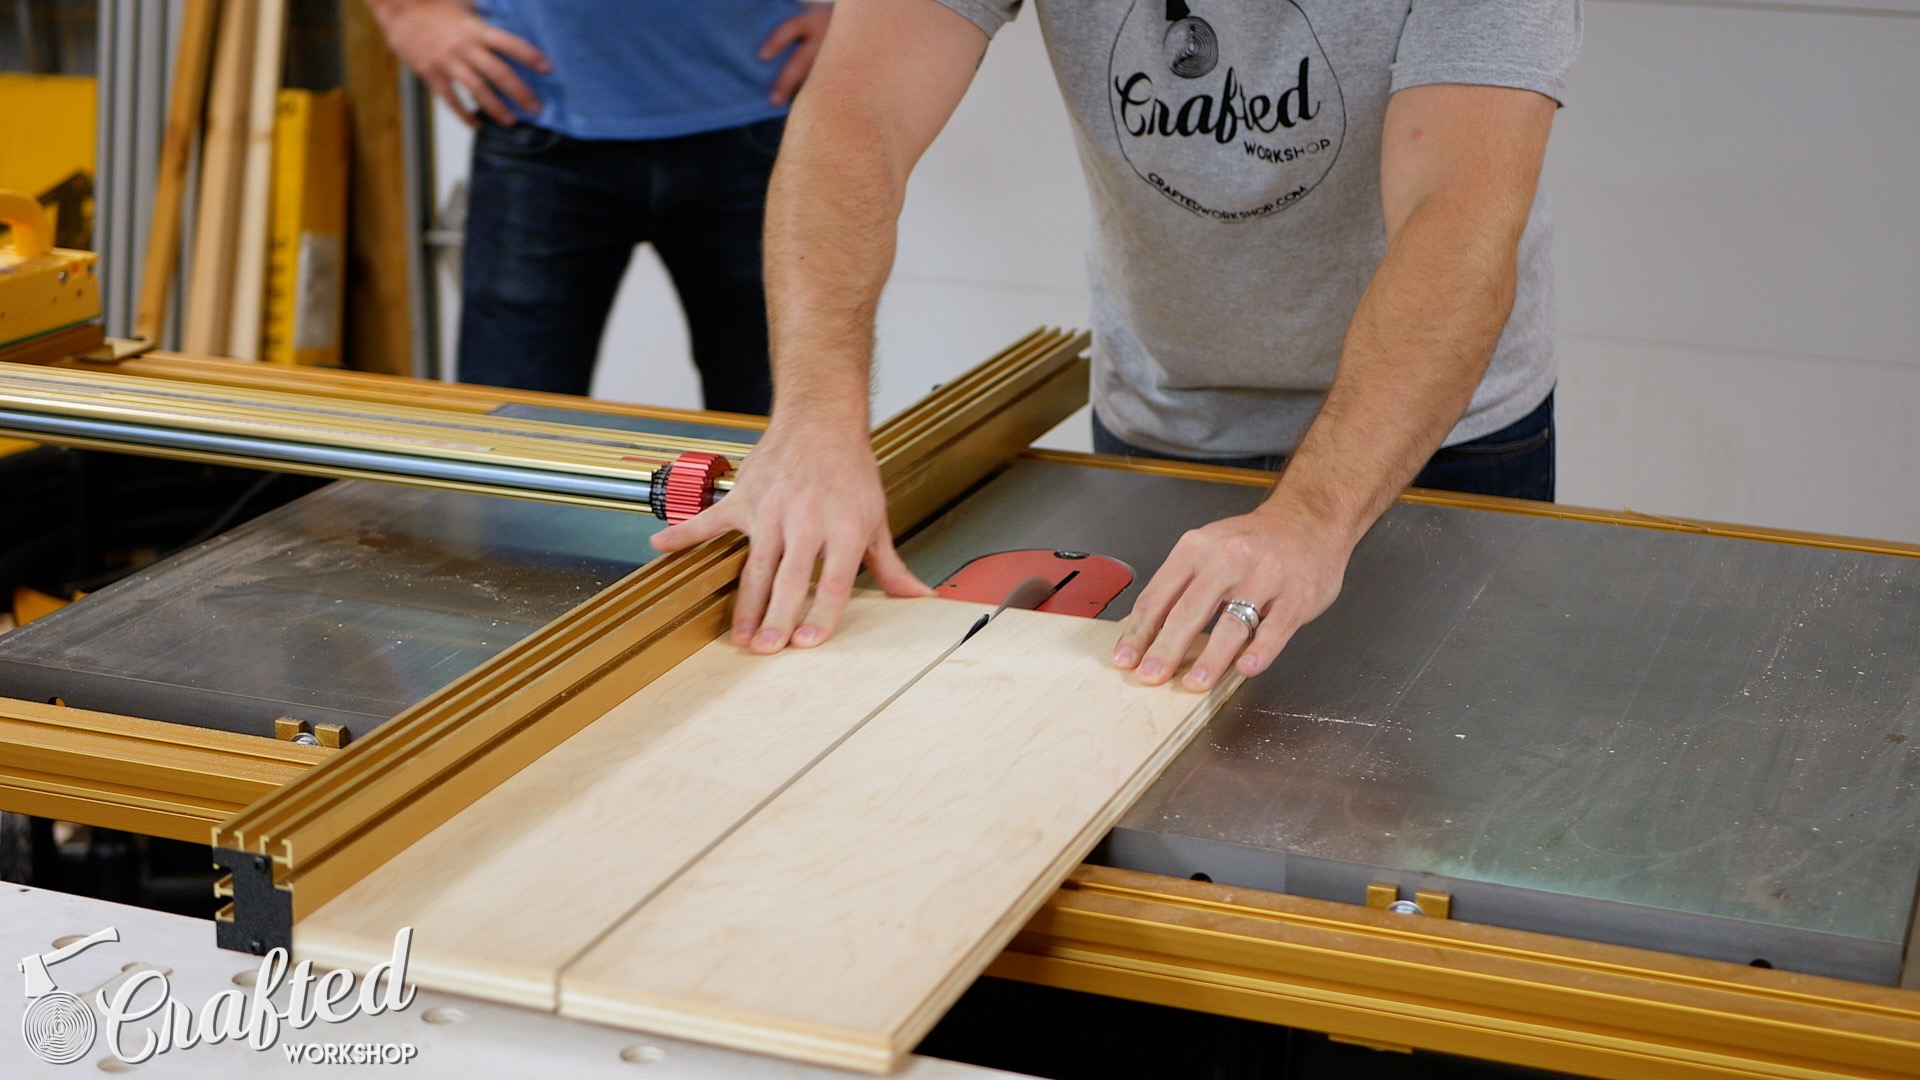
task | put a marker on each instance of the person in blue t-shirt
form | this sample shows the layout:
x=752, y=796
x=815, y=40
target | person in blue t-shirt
x=603, y=124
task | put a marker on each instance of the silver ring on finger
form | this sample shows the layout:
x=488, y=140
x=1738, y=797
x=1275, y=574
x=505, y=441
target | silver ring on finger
x=1246, y=612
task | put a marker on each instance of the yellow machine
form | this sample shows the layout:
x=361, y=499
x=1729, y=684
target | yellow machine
x=43, y=288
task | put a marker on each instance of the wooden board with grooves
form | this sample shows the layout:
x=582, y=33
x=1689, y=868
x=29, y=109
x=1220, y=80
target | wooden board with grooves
x=809, y=855
x=501, y=897
x=840, y=921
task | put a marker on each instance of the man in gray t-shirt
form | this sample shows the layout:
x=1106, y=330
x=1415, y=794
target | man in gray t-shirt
x=1316, y=239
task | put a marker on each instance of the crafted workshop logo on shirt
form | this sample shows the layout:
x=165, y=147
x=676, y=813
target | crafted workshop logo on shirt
x=1227, y=107
x=61, y=1027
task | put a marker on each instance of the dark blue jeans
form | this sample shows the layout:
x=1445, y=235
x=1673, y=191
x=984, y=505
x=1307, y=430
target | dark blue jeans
x=1516, y=461
x=552, y=222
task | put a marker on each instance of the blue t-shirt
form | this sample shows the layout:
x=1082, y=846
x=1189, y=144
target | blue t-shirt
x=647, y=69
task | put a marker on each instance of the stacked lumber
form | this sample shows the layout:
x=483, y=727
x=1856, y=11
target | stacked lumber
x=176, y=156
x=211, y=287
x=263, y=278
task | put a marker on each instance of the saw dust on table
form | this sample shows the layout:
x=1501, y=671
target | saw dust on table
x=810, y=854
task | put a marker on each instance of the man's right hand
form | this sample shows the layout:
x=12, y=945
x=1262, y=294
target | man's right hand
x=447, y=45
x=803, y=497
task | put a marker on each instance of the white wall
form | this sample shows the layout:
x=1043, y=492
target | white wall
x=1739, y=262
x=1737, y=186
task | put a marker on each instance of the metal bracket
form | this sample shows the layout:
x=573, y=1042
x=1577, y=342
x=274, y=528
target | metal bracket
x=331, y=736
x=258, y=915
x=1384, y=897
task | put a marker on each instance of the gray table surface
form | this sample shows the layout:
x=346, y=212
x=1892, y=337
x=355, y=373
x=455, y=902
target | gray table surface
x=1698, y=744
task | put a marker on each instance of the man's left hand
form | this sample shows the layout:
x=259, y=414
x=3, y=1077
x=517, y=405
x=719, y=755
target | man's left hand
x=1277, y=558
x=804, y=32
x=1458, y=168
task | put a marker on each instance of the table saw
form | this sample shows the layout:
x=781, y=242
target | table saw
x=1583, y=790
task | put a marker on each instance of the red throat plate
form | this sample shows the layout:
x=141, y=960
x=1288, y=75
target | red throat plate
x=1092, y=581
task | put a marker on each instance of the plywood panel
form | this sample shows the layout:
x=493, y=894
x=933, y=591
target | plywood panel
x=256, y=185
x=216, y=222
x=505, y=894
x=379, y=276
x=837, y=923
x=176, y=151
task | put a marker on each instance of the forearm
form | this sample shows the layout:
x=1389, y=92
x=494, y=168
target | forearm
x=832, y=218
x=1458, y=169
x=809, y=496
x=887, y=79
x=1415, y=351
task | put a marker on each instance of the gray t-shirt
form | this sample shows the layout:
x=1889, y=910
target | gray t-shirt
x=1232, y=150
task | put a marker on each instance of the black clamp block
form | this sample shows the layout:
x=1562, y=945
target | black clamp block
x=262, y=913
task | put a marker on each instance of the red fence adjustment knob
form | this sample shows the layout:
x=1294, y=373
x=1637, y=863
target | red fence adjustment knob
x=686, y=488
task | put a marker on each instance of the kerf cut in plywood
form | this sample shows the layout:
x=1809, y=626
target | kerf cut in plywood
x=838, y=922
x=513, y=888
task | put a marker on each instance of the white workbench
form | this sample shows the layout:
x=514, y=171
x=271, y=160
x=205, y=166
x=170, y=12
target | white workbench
x=454, y=1036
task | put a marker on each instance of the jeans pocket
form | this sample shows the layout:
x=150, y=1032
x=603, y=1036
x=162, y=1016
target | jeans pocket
x=522, y=140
